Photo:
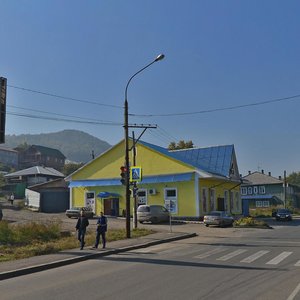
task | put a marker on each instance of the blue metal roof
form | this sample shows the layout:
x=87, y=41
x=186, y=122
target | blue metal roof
x=215, y=160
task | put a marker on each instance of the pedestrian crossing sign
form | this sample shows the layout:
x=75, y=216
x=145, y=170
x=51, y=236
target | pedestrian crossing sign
x=135, y=174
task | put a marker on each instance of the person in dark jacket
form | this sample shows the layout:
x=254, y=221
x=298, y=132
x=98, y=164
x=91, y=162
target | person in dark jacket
x=101, y=231
x=82, y=224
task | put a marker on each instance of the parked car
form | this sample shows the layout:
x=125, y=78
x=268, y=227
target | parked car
x=283, y=214
x=219, y=218
x=152, y=213
x=74, y=212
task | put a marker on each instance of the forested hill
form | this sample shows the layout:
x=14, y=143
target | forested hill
x=76, y=145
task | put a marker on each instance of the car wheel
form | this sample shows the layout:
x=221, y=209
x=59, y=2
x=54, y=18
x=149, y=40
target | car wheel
x=154, y=220
x=141, y=222
x=206, y=225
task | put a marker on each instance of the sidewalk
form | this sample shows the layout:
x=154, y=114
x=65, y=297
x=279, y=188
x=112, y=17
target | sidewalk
x=44, y=262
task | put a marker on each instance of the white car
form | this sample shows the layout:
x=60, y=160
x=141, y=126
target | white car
x=152, y=213
x=219, y=218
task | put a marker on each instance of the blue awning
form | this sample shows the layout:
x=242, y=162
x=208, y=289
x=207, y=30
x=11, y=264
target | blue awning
x=145, y=180
x=107, y=195
x=258, y=197
x=98, y=182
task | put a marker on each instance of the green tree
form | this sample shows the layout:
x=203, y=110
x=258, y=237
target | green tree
x=70, y=168
x=294, y=178
x=181, y=145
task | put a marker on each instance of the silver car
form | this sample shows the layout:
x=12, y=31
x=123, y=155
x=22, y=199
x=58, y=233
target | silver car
x=152, y=213
x=74, y=212
x=219, y=218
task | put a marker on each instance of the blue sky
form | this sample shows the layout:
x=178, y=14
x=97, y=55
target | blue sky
x=218, y=54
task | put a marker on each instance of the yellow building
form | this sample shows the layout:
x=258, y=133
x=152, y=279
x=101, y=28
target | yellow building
x=189, y=182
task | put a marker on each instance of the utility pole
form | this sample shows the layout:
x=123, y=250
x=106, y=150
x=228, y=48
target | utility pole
x=126, y=126
x=284, y=187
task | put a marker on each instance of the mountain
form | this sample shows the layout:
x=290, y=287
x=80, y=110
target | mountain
x=76, y=145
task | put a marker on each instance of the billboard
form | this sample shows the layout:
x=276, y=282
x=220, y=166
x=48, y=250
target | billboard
x=3, y=88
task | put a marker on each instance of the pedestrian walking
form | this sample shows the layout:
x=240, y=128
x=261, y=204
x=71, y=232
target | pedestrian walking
x=12, y=198
x=82, y=224
x=101, y=231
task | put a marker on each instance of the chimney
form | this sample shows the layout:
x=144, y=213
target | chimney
x=249, y=172
x=269, y=173
x=262, y=172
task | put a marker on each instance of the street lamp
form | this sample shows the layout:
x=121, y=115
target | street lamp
x=127, y=194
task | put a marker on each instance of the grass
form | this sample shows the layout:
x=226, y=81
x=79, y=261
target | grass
x=33, y=239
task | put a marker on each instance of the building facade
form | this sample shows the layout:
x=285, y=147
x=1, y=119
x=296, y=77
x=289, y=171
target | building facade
x=189, y=182
x=9, y=157
x=36, y=155
x=264, y=190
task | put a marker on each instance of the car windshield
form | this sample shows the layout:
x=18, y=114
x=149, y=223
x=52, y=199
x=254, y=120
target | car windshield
x=283, y=211
x=143, y=209
x=214, y=213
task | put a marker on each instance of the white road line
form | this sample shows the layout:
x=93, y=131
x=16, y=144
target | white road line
x=232, y=254
x=297, y=264
x=255, y=256
x=294, y=293
x=279, y=258
x=211, y=252
x=156, y=248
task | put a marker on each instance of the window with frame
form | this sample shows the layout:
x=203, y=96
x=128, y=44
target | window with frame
x=244, y=191
x=259, y=203
x=250, y=190
x=262, y=189
x=255, y=190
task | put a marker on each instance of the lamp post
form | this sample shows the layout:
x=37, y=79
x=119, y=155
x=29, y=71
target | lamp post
x=127, y=193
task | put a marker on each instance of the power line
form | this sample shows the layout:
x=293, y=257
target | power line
x=61, y=119
x=57, y=114
x=63, y=97
x=218, y=109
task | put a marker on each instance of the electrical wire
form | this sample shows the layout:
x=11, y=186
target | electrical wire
x=62, y=120
x=63, y=97
x=57, y=114
x=217, y=109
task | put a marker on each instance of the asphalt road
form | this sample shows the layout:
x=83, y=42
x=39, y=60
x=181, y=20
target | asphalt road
x=220, y=263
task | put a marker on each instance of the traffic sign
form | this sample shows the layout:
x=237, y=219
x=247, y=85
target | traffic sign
x=135, y=174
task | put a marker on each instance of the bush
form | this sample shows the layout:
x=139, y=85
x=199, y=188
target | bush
x=251, y=222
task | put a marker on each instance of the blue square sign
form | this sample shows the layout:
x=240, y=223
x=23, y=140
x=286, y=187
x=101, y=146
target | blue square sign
x=135, y=174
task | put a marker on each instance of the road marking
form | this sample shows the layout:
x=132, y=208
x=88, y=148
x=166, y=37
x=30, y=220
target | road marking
x=255, y=256
x=155, y=248
x=297, y=264
x=232, y=254
x=279, y=258
x=294, y=293
x=211, y=252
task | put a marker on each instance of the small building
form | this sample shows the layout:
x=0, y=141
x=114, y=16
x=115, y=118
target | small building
x=17, y=182
x=48, y=197
x=263, y=190
x=36, y=155
x=189, y=182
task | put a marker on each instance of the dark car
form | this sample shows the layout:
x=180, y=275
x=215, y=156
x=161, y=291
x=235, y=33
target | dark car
x=74, y=212
x=283, y=214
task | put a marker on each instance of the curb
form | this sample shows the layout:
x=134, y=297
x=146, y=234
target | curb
x=68, y=261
